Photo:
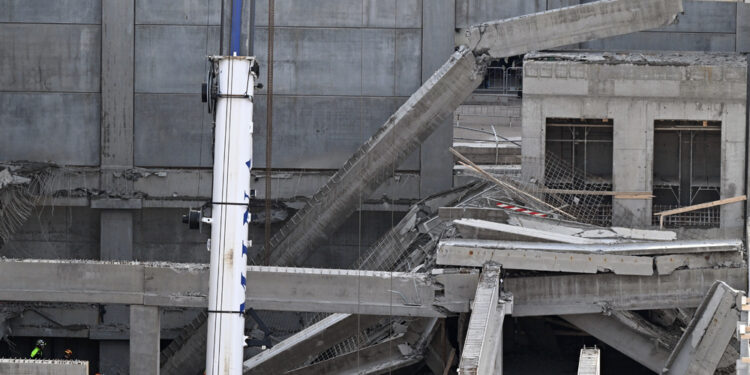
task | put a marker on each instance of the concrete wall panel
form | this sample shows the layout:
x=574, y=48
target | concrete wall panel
x=172, y=59
x=46, y=57
x=342, y=13
x=666, y=41
x=158, y=235
x=320, y=132
x=342, y=61
x=391, y=62
x=61, y=128
x=184, y=12
x=172, y=131
x=45, y=11
x=743, y=28
x=59, y=233
x=472, y=12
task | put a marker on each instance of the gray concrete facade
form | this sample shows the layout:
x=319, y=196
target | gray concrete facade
x=110, y=87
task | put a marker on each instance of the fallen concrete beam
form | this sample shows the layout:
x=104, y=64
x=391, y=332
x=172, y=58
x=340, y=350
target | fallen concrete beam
x=348, y=291
x=555, y=261
x=354, y=292
x=482, y=351
x=392, y=354
x=303, y=346
x=487, y=230
x=374, y=162
x=375, y=359
x=583, y=294
x=567, y=26
x=633, y=248
x=623, y=338
x=704, y=341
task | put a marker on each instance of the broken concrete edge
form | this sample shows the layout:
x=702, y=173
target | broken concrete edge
x=699, y=325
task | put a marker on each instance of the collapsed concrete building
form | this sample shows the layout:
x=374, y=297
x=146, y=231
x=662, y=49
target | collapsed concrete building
x=430, y=280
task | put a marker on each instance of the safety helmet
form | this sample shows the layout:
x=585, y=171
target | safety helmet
x=68, y=352
x=40, y=343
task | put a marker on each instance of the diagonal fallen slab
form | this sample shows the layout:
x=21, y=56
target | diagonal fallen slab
x=488, y=230
x=704, y=341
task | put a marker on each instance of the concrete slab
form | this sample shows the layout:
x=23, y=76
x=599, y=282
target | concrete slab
x=583, y=294
x=545, y=260
x=487, y=230
x=702, y=344
x=567, y=26
x=633, y=248
x=43, y=367
x=667, y=264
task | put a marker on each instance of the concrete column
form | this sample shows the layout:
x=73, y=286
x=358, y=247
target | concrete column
x=118, y=24
x=436, y=162
x=116, y=155
x=144, y=340
x=632, y=161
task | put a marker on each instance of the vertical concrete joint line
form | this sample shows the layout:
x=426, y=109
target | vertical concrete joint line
x=269, y=131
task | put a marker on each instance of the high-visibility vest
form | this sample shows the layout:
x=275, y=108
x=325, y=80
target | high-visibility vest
x=36, y=352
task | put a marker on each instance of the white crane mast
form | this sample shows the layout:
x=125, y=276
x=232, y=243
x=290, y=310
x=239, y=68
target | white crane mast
x=233, y=149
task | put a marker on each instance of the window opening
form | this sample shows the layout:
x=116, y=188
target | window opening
x=687, y=171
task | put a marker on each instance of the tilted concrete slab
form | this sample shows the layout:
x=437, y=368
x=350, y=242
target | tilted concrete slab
x=375, y=161
x=704, y=341
x=567, y=26
x=545, y=260
x=635, y=344
x=487, y=230
x=303, y=346
x=634, y=248
x=399, y=351
x=583, y=294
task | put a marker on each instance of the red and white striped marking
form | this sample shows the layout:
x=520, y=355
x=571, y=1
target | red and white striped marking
x=521, y=210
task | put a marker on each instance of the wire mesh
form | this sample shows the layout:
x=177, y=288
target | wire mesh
x=18, y=200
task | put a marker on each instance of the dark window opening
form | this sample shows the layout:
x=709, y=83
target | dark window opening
x=687, y=171
x=579, y=158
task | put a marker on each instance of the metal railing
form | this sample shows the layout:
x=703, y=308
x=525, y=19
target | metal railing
x=503, y=80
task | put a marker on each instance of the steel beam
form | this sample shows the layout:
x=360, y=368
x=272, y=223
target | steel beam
x=703, y=343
